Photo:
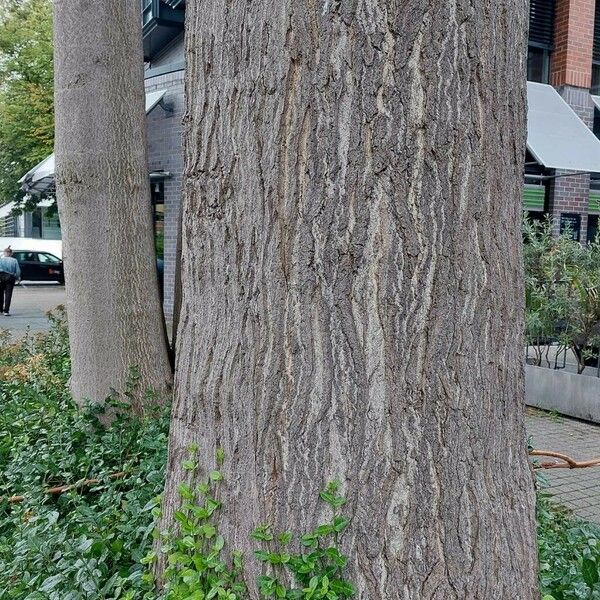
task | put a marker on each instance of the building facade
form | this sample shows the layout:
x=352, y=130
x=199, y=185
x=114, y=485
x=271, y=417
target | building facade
x=564, y=52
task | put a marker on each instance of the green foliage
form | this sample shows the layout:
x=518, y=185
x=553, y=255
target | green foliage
x=314, y=573
x=562, y=292
x=569, y=551
x=26, y=90
x=85, y=543
x=196, y=568
x=159, y=244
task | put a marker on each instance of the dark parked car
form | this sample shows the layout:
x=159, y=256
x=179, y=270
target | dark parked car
x=40, y=266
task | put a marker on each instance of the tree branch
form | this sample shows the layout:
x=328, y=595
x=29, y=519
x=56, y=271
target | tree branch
x=61, y=489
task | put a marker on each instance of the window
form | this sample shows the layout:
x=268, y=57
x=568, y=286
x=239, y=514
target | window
x=48, y=259
x=541, y=38
x=24, y=256
x=158, y=210
x=36, y=223
x=162, y=22
x=538, y=65
x=541, y=23
x=592, y=229
x=596, y=53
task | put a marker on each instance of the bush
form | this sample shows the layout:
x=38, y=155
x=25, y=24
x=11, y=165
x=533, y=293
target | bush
x=569, y=551
x=87, y=542
x=562, y=293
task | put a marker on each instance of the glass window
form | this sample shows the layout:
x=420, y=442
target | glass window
x=595, y=79
x=592, y=230
x=26, y=256
x=48, y=258
x=36, y=223
x=538, y=65
x=158, y=204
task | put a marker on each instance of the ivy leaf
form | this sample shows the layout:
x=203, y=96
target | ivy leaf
x=50, y=583
x=589, y=571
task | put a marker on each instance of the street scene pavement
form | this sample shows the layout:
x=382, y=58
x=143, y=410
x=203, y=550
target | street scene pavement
x=578, y=489
x=30, y=304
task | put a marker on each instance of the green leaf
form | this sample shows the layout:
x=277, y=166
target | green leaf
x=185, y=492
x=219, y=543
x=285, y=537
x=589, y=571
x=50, y=583
x=215, y=476
x=340, y=523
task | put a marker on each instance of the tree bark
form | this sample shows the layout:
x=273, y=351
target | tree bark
x=113, y=306
x=352, y=302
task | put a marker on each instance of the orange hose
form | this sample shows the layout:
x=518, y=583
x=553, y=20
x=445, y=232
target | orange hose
x=568, y=462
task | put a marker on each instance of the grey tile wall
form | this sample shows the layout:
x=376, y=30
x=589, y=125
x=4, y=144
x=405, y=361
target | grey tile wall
x=165, y=152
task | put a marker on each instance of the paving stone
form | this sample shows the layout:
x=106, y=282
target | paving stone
x=578, y=489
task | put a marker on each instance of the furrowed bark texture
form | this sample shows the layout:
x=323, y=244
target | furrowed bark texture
x=352, y=284
x=113, y=305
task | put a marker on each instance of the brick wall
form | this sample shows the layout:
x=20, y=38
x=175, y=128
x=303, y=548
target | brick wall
x=571, y=194
x=165, y=152
x=573, y=43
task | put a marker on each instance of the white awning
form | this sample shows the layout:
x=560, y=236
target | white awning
x=153, y=99
x=6, y=209
x=556, y=137
x=40, y=179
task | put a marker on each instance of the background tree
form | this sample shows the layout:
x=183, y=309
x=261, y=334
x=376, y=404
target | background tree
x=26, y=90
x=103, y=192
x=352, y=300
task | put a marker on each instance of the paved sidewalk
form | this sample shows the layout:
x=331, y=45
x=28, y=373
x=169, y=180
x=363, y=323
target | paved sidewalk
x=30, y=304
x=579, y=489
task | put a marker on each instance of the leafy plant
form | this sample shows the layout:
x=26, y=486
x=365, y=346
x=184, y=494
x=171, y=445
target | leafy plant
x=87, y=542
x=317, y=573
x=562, y=296
x=196, y=569
x=569, y=551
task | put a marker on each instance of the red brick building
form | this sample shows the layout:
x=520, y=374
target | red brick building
x=564, y=51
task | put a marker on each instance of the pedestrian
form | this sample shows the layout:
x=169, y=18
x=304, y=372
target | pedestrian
x=10, y=273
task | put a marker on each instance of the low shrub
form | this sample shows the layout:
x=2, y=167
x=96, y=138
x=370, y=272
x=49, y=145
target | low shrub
x=87, y=542
x=569, y=551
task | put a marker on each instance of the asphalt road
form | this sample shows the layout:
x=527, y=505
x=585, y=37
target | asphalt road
x=29, y=306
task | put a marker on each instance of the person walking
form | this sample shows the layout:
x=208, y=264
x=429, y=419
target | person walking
x=10, y=273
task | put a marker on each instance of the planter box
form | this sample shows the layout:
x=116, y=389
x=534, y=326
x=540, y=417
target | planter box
x=567, y=393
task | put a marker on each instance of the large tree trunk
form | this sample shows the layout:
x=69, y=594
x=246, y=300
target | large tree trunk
x=113, y=305
x=352, y=283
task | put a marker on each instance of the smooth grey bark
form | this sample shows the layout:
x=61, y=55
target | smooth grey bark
x=113, y=305
x=352, y=301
